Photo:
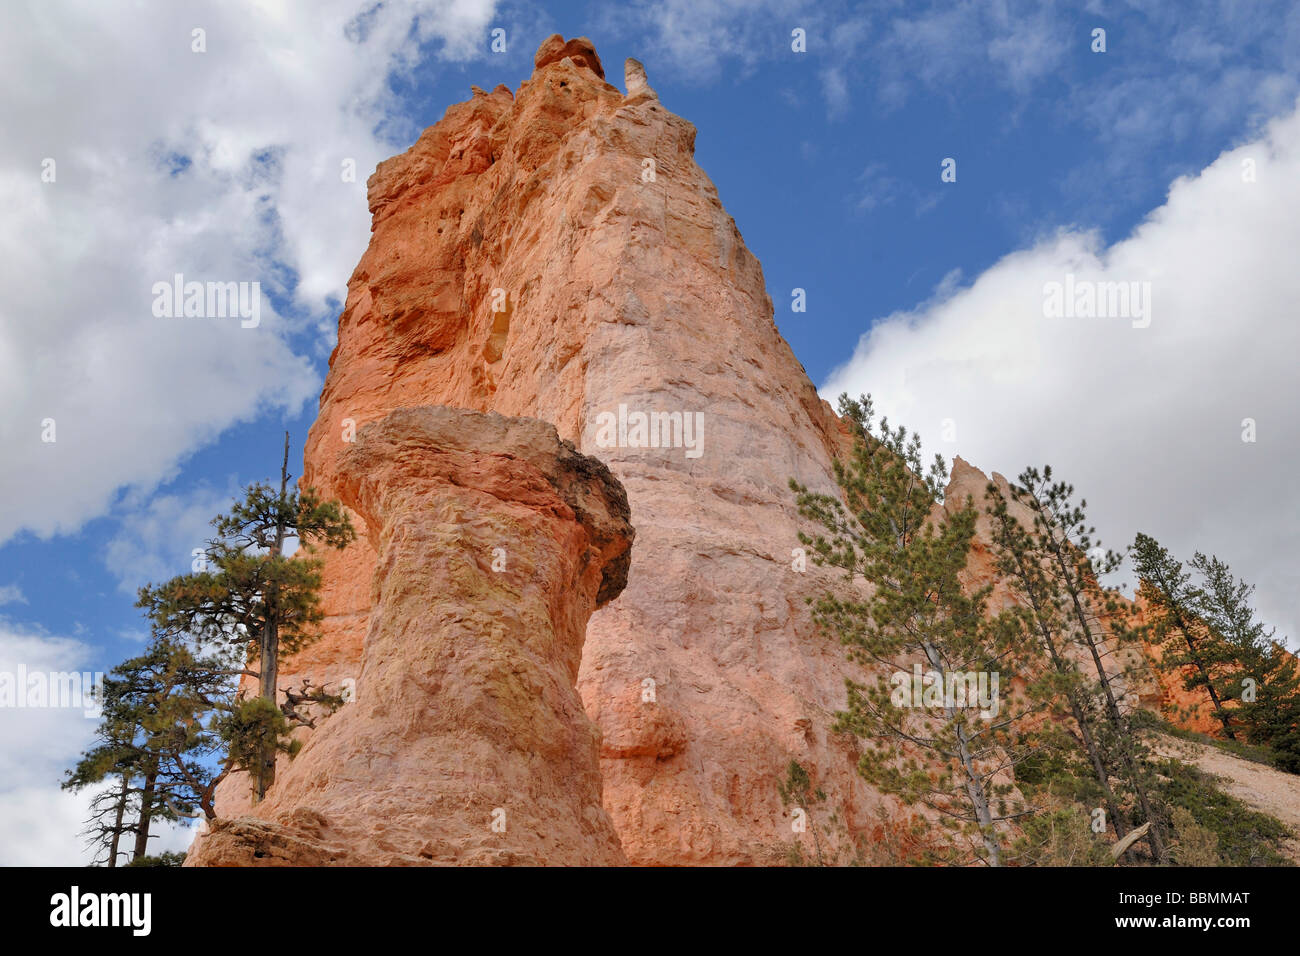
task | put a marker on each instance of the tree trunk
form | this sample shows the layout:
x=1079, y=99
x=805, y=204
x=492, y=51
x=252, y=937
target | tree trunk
x=117, y=823
x=1062, y=666
x=1117, y=721
x=146, y=813
x=1223, y=714
x=269, y=650
x=974, y=785
x=270, y=642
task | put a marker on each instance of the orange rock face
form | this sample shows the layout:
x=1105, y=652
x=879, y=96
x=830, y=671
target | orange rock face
x=466, y=741
x=1189, y=709
x=558, y=254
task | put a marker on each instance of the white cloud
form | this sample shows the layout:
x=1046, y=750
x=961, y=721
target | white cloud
x=42, y=826
x=222, y=166
x=11, y=594
x=1145, y=422
x=1026, y=49
x=836, y=90
x=155, y=539
x=39, y=824
x=876, y=188
x=225, y=166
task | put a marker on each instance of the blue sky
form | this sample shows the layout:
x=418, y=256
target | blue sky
x=829, y=161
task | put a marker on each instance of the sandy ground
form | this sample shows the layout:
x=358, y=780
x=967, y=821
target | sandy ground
x=1263, y=788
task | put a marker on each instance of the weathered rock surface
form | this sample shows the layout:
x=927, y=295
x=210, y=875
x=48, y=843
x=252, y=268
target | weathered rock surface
x=467, y=741
x=558, y=254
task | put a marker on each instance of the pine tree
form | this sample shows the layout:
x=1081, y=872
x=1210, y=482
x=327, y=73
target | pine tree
x=144, y=789
x=1187, y=643
x=797, y=790
x=1062, y=543
x=111, y=810
x=187, y=725
x=256, y=597
x=1262, y=676
x=939, y=751
x=128, y=805
x=1062, y=686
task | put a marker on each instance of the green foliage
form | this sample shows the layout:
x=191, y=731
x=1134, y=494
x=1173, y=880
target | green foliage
x=171, y=713
x=166, y=858
x=797, y=790
x=1056, y=766
x=1286, y=751
x=252, y=729
x=797, y=787
x=1187, y=643
x=254, y=597
x=1209, y=629
x=251, y=584
x=1245, y=837
x=1060, y=836
x=1069, y=740
x=1055, y=565
x=150, y=742
x=833, y=843
x=1069, y=746
x=1261, y=678
x=1194, y=845
x=887, y=534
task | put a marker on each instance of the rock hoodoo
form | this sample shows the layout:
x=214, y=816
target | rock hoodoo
x=467, y=741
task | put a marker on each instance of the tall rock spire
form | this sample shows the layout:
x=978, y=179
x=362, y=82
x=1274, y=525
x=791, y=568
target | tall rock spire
x=558, y=254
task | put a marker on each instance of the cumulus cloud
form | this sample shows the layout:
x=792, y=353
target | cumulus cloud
x=39, y=824
x=1146, y=422
x=129, y=158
